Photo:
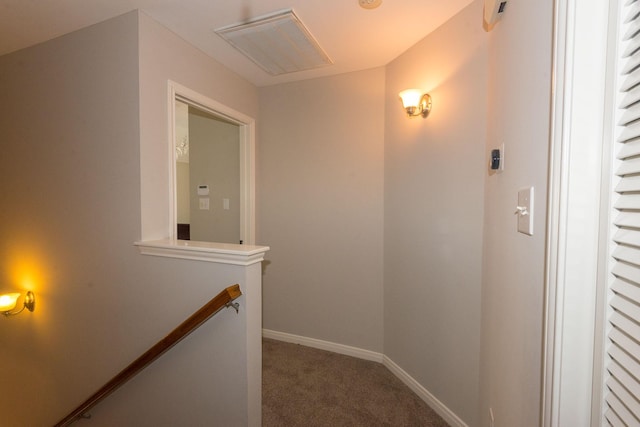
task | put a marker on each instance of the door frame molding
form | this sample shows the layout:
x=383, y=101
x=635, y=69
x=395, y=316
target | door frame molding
x=574, y=274
x=247, y=155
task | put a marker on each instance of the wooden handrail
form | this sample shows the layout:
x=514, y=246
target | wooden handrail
x=223, y=299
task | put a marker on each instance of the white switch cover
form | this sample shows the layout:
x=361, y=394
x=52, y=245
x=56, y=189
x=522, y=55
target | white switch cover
x=204, y=203
x=225, y=204
x=525, y=211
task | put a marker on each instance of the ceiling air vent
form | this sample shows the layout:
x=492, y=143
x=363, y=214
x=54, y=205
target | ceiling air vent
x=278, y=43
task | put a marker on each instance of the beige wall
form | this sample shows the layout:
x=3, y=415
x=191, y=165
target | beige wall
x=513, y=268
x=320, y=195
x=434, y=173
x=214, y=160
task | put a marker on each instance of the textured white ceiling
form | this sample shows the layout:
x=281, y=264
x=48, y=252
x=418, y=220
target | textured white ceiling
x=354, y=38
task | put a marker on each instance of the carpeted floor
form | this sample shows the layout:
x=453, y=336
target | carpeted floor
x=303, y=386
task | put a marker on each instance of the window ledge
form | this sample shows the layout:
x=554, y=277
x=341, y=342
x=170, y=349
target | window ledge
x=222, y=253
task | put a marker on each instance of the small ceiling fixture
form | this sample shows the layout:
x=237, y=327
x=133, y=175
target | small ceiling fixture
x=493, y=11
x=9, y=301
x=415, y=103
x=369, y=4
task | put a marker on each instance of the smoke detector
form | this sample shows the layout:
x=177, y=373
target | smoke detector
x=369, y=4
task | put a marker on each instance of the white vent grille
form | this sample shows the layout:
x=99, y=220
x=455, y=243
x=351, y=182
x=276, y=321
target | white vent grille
x=278, y=43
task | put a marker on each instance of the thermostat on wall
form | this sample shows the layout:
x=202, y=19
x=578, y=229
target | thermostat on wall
x=203, y=190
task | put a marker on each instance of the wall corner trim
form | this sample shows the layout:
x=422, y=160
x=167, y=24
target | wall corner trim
x=441, y=409
x=347, y=350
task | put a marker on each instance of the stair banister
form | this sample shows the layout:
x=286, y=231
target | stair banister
x=223, y=299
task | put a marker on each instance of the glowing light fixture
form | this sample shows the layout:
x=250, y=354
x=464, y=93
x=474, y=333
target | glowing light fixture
x=9, y=301
x=415, y=102
x=369, y=4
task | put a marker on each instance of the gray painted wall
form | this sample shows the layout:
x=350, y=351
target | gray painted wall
x=164, y=56
x=520, y=52
x=434, y=190
x=338, y=165
x=455, y=269
x=320, y=195
x=73, y=113
x=69, y=179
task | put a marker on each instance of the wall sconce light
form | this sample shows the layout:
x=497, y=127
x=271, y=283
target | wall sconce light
x=8, y=303
x=416, y=103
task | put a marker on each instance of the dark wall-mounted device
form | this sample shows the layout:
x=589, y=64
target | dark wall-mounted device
x=495, y=159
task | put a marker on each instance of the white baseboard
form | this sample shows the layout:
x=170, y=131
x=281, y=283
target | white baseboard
x=324, y=345
x=441, y=409
x=449, y=416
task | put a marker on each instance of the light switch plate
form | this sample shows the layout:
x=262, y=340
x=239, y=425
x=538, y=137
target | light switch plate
x=204, y=204
x=525, y=211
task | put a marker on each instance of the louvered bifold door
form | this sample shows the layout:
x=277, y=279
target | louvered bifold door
x=622, y=380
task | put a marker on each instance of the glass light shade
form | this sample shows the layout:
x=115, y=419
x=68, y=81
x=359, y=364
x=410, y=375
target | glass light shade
x=410, y=97
x=8, y=301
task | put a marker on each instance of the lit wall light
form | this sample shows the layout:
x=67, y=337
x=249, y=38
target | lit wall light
x=416, y=103
x=8, y=303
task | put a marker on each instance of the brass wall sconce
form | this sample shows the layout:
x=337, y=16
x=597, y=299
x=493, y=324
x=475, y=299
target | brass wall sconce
x=9, y=301
x=415, y=102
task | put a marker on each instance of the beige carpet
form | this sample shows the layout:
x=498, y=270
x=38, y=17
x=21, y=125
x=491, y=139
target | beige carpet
x=303, y=386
